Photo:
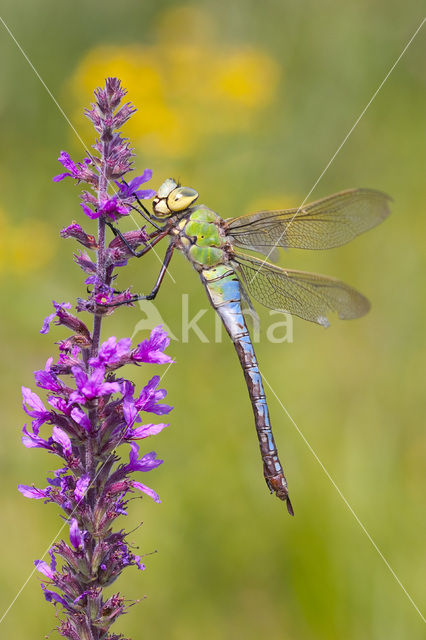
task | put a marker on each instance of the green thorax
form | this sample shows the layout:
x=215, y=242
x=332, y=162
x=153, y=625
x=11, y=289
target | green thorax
x=206, y=239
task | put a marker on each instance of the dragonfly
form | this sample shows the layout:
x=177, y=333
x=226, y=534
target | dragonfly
x=217, y=249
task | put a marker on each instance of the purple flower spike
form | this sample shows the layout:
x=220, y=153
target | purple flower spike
x=91, y=409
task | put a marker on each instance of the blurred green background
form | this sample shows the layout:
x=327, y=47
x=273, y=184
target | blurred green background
x=247, y=102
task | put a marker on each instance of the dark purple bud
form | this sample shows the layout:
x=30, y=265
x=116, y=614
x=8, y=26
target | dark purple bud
x=83, y=260
x=118, y=253
x=123, y=114
x=75, y=231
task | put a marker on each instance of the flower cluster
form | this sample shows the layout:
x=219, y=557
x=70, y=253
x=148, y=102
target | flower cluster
x=89, y=410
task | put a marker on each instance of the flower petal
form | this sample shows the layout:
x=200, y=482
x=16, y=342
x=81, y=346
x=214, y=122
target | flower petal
x=149, y=492
x=59, y=436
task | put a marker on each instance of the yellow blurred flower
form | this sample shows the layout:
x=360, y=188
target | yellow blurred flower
x=23, y=249
x=188, y=85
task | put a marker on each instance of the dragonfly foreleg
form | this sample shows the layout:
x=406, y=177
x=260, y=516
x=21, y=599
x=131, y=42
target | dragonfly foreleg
x=155, y=237
x=150, y=296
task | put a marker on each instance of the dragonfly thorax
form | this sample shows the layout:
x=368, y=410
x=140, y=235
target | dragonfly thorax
x=172, y=198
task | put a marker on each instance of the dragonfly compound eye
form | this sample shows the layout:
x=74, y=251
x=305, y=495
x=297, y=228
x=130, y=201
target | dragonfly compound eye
x=181, y=198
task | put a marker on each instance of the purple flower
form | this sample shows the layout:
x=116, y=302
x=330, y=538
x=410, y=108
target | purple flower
x=58, y=307
x=149, y=397
x=147, y=430
x=52, y=596
x=130, y=190
x=36, y=408
x=48, y=380
x=81, y=418
x=90, y=387
x=146, y=463
x=147, y=490
x=112, y=351
x=59, y=404
x=91, y=410
x=77, y=171
x=100, y=286
x=34, y=441
x=44, y=568
x=93, y=215
x=33, y=492
x=151, y=350
x=81, y=487
x=130, y=412
x=76, y=537
x=63, y=440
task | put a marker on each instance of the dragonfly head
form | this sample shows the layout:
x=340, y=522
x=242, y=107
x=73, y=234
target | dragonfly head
x=172, y=198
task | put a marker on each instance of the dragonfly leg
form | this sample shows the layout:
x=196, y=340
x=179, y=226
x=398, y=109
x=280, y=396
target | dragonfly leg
x=150, y=296
x=155, y=237
x=164, y=267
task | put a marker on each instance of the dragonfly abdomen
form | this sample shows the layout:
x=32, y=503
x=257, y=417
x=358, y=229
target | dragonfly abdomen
x=223, y=289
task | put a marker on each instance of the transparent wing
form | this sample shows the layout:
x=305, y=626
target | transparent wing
x=308, y=295
x=323, y=224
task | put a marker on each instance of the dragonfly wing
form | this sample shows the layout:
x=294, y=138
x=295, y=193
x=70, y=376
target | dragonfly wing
x=323, y=224
x=310, y=296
